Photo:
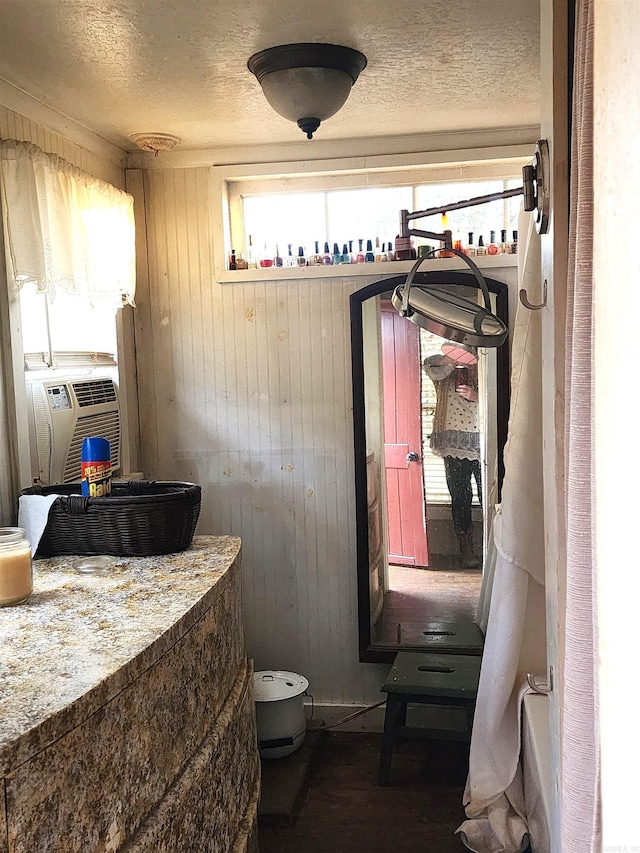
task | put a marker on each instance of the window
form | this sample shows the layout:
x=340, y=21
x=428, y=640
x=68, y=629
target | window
x=67, y=324
x=276, y=221
x=282, y=220
x=345, y=200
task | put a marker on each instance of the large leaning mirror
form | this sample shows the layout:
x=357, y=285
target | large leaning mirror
x=430, y=423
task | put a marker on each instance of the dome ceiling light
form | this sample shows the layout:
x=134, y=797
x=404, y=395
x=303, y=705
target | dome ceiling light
x=307, y=83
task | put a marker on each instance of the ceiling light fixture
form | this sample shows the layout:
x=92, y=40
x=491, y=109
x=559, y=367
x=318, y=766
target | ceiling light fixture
x=307, y=83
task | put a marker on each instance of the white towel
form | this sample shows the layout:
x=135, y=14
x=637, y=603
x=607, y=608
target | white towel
x=33, y=514
x=516, y=635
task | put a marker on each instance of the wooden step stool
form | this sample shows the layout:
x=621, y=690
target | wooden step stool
x=453, y=636
x=427, y=679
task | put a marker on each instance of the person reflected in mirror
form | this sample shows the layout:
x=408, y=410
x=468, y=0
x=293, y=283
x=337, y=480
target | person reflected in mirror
x=455, y=435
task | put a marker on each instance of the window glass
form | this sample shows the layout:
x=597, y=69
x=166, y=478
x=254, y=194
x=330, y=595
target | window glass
x=284, y=219
x=480, y=220
x=75, y=325
x=35, y=337
x=514, y=208
x=370, y=213
x=366, y=214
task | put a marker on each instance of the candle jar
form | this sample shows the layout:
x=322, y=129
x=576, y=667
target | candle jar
x=16, y=575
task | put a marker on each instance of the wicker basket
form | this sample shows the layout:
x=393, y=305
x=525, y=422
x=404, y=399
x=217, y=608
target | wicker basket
x=139, y=519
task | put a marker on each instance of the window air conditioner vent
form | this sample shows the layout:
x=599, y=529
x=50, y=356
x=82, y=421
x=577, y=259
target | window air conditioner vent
x=105, y=425
x=62, y=412
x=94, y=392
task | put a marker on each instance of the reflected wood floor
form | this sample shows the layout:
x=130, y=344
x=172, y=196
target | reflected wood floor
x=442, y=592
x=345, y=811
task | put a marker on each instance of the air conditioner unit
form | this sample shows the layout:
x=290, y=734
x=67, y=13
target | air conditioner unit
x=64, y=411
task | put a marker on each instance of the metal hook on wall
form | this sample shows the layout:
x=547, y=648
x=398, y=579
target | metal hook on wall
x=537, y=687
x=525, y=300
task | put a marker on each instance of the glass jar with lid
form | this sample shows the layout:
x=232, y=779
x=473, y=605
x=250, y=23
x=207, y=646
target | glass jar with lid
x=16, y=575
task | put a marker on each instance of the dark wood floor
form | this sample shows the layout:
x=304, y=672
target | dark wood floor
x=418, y=596
x=345, y=811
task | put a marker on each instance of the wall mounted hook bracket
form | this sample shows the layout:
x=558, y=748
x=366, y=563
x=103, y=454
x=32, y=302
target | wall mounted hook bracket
x=534, y=189
x=535, y=179
x=525, y=299
x=537, y=687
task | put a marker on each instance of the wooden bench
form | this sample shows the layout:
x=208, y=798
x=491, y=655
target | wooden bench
x=425, y=678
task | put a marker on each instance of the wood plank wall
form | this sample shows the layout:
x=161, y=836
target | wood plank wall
x=246, y=389
x=15, y=126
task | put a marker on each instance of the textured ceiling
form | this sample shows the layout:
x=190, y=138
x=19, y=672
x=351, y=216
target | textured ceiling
x=179, y=66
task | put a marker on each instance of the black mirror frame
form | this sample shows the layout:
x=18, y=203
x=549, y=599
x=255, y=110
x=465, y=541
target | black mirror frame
x=369, y=653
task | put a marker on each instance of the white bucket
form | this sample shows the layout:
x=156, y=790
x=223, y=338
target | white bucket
x=280, y=713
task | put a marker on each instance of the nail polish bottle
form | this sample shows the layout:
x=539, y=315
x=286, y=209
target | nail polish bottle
x=492, y=249
x=290, y=260
x=514, y=243
x=352, y=254
x=266, y=259
x=504, y=248
x=317, y=258
x=277, y=260
x=327, y=260
x=457, y=240
x=470, y=248
x=232, y=260
x=241, y=262
x=360, y=258
x=251, y=258
x=301, y=260
x=369, y=257
x=481, y=248
x=337, y=255
x=377, y=255
x=346, y=257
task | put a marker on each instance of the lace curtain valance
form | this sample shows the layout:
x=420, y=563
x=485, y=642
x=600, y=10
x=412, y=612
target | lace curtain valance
x=64, y=228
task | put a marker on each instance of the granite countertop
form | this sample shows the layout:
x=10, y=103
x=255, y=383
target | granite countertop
x=80, y=639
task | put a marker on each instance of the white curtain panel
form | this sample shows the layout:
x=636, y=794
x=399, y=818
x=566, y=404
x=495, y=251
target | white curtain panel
x=64, y=228
x=580, y=802
x=515, y=643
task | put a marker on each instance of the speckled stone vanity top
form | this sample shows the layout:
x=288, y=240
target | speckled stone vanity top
x=80, y=639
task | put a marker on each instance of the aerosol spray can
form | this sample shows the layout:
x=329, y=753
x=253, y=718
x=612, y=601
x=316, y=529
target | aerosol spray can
x=95, y=467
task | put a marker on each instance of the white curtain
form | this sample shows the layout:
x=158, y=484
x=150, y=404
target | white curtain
x=515, y=641
x=64, y=228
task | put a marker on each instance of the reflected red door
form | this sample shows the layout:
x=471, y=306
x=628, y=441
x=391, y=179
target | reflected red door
x=403, y=441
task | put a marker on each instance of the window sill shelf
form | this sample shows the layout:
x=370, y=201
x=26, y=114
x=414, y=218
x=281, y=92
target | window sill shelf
x=386, y=268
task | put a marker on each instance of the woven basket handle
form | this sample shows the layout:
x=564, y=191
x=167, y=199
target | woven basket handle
x=33, y=490
x=77, y=504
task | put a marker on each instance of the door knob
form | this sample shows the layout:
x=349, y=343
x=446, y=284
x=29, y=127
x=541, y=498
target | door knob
x=413, y=456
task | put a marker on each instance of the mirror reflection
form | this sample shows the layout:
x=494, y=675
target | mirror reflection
x=429, y=439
